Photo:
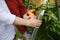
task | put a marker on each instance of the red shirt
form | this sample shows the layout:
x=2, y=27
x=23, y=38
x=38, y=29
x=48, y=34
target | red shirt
x=17, y=8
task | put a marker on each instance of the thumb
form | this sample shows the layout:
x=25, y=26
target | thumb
x=32, y=10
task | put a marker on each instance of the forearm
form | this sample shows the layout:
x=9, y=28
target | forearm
x=20, y=21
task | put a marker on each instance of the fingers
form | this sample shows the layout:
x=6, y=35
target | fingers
x=32, y=10
x=37, y=24
x=25, y=16
x=34, y=23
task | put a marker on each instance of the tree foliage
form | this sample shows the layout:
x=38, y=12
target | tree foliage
x=50, y=28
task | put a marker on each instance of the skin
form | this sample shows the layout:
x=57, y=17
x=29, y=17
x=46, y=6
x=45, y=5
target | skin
x=33, y=22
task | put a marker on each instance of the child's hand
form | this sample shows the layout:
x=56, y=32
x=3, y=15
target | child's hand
x=30, y=14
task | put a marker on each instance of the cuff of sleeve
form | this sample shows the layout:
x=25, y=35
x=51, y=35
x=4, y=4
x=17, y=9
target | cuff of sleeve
x=11, y=19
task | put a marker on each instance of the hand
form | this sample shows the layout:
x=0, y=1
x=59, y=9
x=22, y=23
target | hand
x=32, y=11
x=30, y=14
x=34, y=23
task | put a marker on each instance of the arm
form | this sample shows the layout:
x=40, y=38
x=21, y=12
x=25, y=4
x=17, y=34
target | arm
x=18, y=9
x=20, y=21
x=22, y=7
x=8, y=18
x=31, y=22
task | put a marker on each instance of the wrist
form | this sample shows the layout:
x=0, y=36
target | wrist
x=25, y=22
